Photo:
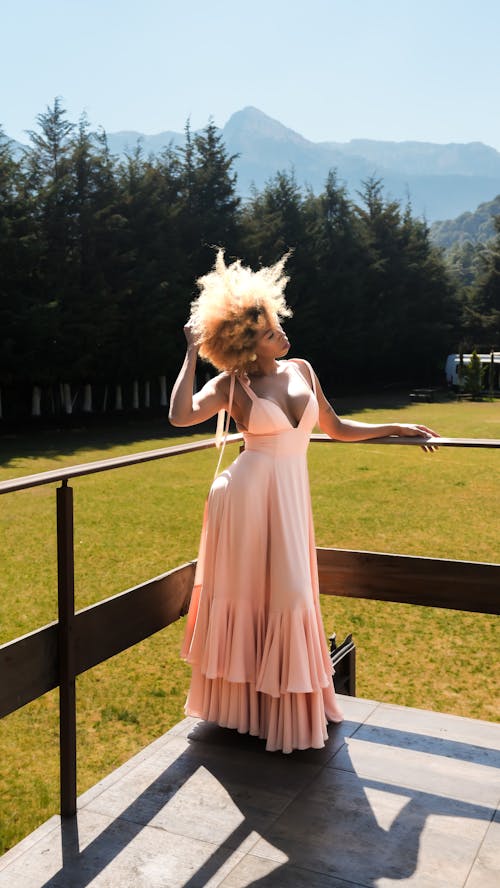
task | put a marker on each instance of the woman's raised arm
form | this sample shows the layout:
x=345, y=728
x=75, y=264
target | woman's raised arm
x=187, y=409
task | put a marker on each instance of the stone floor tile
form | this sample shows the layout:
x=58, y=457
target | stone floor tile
x=184, y=727
x=194, y=791
x=151, y=751
x=26, y=845
x=254, y=871
x=485, y=872
x=357, y=709
x=428, y=721
x=369, y=757
x=443, y=746
x=462, y=733
x=343, y=828
x=118, y=854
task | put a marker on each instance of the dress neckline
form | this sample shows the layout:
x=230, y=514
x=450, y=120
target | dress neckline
x=275, y=404
x=254, y=396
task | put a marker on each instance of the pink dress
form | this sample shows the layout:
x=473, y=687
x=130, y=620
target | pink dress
x=254, y=634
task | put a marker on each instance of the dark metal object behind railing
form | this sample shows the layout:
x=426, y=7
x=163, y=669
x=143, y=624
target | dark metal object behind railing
x=54, y=655
x=343, y=657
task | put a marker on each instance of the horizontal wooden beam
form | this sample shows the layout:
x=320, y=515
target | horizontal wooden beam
x=29, y=665
x=111, y=626
x=28, y=668
x=432, y=582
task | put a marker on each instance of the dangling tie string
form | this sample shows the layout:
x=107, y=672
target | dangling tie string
x=221, y=433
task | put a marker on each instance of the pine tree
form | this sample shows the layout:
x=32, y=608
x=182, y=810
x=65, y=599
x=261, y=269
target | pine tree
x=208, y=211
x=410, y=305
x=337, y=282
x=473, y=376
x=275, y=222
x=482, y=310
x=19, y=261
x=48, y=179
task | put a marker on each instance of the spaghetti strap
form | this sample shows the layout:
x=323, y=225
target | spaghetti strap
x=247, y=388
x=311, y=373
x=220, y=435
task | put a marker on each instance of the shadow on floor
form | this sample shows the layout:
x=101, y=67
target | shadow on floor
x=304, y=820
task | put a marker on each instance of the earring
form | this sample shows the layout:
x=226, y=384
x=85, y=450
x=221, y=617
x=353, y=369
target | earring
x=253, y=357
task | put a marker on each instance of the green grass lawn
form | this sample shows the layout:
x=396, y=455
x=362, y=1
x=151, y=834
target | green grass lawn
x=134, y=523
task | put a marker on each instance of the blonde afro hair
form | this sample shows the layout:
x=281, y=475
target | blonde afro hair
x=235, y=304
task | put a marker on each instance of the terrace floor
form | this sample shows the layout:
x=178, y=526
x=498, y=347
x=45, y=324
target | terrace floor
x=397, y=797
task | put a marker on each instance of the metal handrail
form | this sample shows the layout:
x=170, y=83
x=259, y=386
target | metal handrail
x=104, y=465
x=118, y=462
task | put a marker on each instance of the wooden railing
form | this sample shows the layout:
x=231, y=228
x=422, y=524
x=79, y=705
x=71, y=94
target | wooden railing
x=54, y=655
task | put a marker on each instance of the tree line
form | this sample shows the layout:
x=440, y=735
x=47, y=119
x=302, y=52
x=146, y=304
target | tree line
x=99, y=257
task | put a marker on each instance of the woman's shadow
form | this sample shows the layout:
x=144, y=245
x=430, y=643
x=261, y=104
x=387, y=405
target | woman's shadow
x=303, y=820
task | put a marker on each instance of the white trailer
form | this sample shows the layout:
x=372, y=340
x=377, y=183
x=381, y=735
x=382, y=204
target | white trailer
x=453, y=362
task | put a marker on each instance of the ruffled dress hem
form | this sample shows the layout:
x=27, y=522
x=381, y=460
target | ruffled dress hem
x=292, y=699
x=287, y=722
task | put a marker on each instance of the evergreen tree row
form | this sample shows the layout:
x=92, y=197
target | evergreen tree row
x=474, y=269
x=99, y=255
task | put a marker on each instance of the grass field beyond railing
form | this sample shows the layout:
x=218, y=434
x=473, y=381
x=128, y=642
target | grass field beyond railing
x=137, y=522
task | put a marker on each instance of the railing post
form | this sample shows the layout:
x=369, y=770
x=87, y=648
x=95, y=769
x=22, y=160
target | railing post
x=67, y=690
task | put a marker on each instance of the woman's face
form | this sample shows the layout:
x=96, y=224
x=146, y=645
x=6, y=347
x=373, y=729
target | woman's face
x=272, y=342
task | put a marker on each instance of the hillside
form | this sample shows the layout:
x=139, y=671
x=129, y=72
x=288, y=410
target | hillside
x=476, y=227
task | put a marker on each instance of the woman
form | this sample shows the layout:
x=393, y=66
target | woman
x=254, y=634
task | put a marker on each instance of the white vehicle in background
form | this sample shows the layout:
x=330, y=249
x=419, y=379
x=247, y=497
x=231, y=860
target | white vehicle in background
x=453, y=363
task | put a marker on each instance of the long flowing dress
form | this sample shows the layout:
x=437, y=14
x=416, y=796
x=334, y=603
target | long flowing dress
x=254, y=635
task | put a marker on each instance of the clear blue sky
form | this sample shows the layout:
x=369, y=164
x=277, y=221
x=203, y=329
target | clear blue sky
x=427, y=70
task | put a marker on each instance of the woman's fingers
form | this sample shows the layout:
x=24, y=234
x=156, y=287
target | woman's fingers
x=189, y=334
x=427, y=431
x=421, y=431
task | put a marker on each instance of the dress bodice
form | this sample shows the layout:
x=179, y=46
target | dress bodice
x=269, y=428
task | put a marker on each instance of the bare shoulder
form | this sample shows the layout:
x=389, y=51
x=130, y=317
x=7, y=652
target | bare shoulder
x=301, y=363
x=218, y=384
x=305, y=368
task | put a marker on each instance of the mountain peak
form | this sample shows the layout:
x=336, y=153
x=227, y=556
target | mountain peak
x=250, y=121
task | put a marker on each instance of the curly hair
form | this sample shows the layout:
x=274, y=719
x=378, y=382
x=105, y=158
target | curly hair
x=236, y=304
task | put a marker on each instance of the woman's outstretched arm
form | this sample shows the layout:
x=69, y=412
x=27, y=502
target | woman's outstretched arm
x=353, y=430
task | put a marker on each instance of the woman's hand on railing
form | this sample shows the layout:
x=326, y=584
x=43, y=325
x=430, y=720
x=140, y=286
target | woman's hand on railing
x=409, y=430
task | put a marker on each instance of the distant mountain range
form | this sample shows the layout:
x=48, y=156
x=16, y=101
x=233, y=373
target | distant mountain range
x=441, y=181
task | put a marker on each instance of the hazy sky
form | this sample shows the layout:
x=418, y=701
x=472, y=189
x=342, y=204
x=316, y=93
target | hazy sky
x=427, y=70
